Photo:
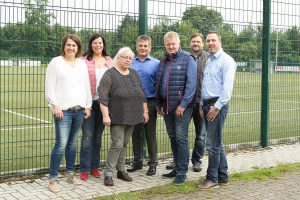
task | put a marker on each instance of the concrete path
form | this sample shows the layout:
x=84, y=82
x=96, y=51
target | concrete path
x=238, y=162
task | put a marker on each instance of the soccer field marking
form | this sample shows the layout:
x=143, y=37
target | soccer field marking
x=285, y=101
x=25, y=128
x=252, y=112
x=26, y=116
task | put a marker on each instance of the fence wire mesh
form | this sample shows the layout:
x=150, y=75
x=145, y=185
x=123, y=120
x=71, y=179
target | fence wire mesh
x=31, y=32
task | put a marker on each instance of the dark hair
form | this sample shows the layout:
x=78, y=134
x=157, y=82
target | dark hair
x=196, y=35
x=76, y=39
x=144, y=37
x=89, y=53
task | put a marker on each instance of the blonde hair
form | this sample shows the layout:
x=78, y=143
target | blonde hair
x=172, y=34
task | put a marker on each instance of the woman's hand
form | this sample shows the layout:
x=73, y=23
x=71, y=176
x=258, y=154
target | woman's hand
x=58, y=114
x=87, y=113
x=106, y=120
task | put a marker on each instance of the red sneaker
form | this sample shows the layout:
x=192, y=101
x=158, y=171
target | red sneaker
x=84, y=176
x=96, y=173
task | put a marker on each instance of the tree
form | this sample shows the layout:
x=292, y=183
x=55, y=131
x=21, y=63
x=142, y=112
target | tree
x=126, y=34
x=36, y=13
x=202, y=18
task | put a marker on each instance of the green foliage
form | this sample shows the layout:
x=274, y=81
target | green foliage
x=37, y=37
x=36, y=13
x=126, y=34
x=203, y=19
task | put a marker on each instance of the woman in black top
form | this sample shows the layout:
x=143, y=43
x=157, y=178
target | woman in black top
x=123, y=105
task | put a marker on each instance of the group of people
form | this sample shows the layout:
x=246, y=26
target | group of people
x=126, y=93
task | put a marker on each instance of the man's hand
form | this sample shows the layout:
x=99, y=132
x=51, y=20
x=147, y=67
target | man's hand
x=179, y=111
x=160, y=111
x=213, y=112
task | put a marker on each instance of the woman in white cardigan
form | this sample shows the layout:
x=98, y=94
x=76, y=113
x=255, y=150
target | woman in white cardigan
x=67, y=89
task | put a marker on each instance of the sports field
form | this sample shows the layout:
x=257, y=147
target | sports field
x=27, y=131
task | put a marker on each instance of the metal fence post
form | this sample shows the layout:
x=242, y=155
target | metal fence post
x=265, y=73
x=143, y=29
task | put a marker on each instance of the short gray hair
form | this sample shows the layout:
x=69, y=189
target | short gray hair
x=121, y=51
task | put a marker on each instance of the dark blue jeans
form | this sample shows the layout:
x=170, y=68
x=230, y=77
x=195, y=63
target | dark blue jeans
x=177, y=129
x=67, y=131
x=92, y=129
x=200, y=131
x=217, y=161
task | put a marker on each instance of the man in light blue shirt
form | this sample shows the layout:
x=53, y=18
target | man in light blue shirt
x=146, y=66
x=218, y=79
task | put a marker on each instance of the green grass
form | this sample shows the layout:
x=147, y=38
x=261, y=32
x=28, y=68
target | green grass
x=27, y=133
x=191, y=186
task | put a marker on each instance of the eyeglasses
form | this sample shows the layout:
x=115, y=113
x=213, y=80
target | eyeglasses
x=127, y=57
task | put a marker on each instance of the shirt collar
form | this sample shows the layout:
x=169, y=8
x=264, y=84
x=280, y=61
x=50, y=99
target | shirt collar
x=147, y=58
x=216, y=55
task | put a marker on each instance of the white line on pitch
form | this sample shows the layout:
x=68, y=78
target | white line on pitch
x=285, y=101
x=26, y=116
x=24, y=128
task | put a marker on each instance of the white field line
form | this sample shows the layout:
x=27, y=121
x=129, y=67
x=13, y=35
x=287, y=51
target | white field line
x=26, y=116
x=25, y=128
x=251, y=112
x=285, y=101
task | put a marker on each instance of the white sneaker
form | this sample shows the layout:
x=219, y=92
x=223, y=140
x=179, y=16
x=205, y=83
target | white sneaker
x=71, y=178
x=53, y=185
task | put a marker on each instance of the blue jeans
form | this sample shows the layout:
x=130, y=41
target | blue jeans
x=200, y=131
x=92, y=129
x=217, y=161
x=177, y=129
x=67, y=131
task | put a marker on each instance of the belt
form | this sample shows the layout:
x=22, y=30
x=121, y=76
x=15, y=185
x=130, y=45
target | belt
x=210, y=101
x=75, y=108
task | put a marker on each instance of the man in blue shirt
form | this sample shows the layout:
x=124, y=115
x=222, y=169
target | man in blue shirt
x=216, y=92
x=176, y=85
x=146, y=66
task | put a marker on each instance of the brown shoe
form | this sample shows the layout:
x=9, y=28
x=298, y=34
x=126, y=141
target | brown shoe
x=123, y=176
x=108, y=181
x=223, y=182
x=208, y=186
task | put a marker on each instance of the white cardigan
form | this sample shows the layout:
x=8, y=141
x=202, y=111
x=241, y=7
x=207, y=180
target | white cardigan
x=67, y=86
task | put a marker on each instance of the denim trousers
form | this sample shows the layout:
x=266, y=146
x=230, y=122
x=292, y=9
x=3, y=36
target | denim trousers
x=217, y=161
x=120, y=135
x=92, y=129
x=177, y=129
x=150, y=135
x=67, y=132
x=200, y=132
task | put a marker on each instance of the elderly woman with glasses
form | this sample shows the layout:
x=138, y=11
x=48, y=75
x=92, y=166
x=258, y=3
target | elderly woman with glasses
x=123, y=105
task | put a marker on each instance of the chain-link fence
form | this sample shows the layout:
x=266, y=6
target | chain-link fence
x=31, y=32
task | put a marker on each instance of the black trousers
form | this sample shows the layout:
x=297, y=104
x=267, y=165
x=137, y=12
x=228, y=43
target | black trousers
x=150, y=134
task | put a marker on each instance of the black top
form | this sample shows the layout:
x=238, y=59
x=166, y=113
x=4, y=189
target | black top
x=123, y=95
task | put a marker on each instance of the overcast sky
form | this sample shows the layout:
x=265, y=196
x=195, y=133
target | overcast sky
x=106, y=14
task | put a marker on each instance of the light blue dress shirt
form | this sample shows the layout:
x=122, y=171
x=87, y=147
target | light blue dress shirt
x=218, y=78
x=147, y=70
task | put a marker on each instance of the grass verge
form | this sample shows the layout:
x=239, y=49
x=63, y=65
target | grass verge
x=191, y=186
